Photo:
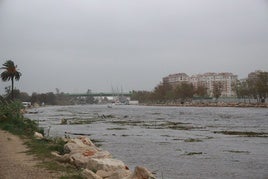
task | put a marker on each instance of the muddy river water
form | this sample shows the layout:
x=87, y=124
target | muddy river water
x=173, y=142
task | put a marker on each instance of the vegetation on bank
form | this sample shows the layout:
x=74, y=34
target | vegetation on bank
x=12, y=120
x=255, y=87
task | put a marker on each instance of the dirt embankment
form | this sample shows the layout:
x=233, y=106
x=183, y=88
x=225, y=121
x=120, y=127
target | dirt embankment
x=15, y=163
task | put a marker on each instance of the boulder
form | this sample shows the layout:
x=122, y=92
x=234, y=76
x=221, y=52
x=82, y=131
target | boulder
x=121, y=173
x=102, y=154
x=83, y=142
x=73, y=147
x=89, y=153
x=87, y=141
x=106, y=164
x=79, y=160
x=90, y=175
x=61, y=158
x=38, y=135
x=141, y=173
x=82, y=153
x=104, y=174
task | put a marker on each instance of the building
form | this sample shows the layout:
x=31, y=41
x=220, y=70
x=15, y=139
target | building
x=208, y=80
x=254, y=75
x=226, y=80
x=176, y=79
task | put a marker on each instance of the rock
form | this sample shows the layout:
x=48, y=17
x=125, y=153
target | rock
x=71, y=147
x=38, y=135
x=104, y=174
x=102, y=154
x=89, y=153
x=79, y=160
x=87, y=141
x=83, y=142
x=61, y=158
x=141, y=173
x=82, y=153
x=107, y=164
x=77, y=147
x=121, y=173
x=90, y=175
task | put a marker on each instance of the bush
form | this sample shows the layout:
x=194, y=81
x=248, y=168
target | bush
x=12, y=120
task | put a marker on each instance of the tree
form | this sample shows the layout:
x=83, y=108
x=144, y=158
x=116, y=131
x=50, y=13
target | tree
x=162, y=93
x=201, y=91
x=241, y=89
x=35, y=98
x=51, y=98
x=262, y=85
x=24, y=97
x=16, y=93
x=10, y=73
x=184, y=91
x=258, y=85
x=142, y=96
x=217, y=89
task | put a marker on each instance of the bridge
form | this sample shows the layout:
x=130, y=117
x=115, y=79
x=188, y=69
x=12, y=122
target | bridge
x=97, y=94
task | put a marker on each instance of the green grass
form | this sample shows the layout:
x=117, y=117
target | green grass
x=42, y=150
x=43, y=147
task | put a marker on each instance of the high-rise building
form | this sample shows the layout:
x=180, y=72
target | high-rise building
x=208, y=80
x=176, y=79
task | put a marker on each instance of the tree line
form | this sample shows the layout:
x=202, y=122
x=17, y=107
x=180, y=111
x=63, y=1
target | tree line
x=250, y=88
x=254, y=87
x=166, y=93
x=49, y=98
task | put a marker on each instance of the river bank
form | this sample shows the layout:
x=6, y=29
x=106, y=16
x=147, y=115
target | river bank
x=210, y=104
x=94, y=163
x=15, y=163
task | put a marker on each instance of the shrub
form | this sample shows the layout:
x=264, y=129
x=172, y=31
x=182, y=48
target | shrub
x=12, y=120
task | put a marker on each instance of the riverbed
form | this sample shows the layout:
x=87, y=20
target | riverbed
x=173, y=142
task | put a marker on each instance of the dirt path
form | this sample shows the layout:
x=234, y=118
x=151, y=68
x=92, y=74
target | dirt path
x=15, y=163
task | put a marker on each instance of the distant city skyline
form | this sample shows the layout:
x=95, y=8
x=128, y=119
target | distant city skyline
x=131, y=45
x=120, y=88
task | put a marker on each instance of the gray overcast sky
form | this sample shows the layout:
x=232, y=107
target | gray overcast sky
x=75, y=45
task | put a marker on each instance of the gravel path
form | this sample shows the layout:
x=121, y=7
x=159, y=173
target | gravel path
x=15, y=163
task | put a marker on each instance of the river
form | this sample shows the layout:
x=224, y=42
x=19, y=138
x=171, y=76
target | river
x=173, y=142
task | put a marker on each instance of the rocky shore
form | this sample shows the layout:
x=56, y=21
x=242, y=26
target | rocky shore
x=94, y=162
x=97, y=163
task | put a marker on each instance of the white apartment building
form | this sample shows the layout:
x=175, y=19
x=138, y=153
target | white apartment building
x=175, y=79
x=207, y=80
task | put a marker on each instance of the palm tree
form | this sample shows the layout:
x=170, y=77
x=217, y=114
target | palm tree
x=10, y=73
